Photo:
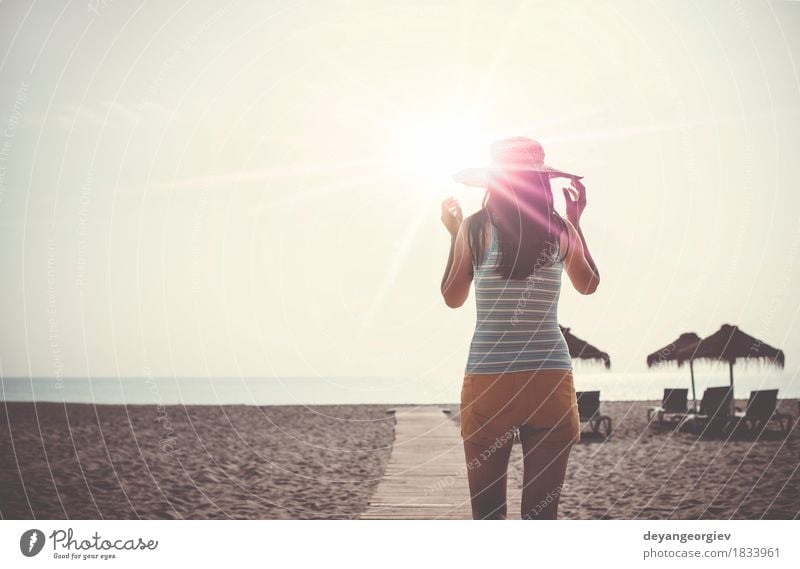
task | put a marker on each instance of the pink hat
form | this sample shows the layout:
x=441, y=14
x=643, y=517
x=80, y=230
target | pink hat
x=517, y=153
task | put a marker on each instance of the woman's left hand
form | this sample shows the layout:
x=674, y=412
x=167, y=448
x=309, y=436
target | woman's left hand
x=451, y=215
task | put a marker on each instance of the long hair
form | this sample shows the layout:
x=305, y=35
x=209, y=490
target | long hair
x=520, y=207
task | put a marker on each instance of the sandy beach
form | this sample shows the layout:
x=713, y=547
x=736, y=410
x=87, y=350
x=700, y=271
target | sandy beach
x=652, y=472
x=290, y=462
x=194, y=462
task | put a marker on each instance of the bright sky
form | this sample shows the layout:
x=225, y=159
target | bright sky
x=253, y=188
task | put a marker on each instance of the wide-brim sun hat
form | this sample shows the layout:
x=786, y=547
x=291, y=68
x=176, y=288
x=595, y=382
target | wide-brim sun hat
x=509, y=155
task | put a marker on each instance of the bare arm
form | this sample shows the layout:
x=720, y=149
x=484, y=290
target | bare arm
x=457, y=276
x=586, y=252
x=579, y=264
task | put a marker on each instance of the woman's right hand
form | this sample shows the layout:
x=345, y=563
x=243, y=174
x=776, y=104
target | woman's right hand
x=575, y=196
x=451, y=215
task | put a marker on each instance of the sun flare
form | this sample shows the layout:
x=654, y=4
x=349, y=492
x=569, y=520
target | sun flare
x=435, y=149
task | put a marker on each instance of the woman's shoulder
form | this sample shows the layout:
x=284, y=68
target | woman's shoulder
x=569, y=230
x=477, y=218
x=567, y=235
x=478, y=222
x=478, y=230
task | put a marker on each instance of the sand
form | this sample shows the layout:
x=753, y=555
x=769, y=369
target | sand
x=247, y=462
x=652, y=472
x=198, y=462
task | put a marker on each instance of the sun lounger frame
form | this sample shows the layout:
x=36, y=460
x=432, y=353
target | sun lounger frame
x=589, y=410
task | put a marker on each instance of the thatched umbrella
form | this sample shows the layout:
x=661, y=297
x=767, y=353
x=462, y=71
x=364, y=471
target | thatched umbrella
x=678, y=352
x=730, y=344
x=583, y=350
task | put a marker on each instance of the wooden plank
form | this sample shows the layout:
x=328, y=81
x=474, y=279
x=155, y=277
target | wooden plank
x=426, y=474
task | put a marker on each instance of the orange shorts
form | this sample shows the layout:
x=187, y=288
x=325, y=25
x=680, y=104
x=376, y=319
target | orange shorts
x=540, y=403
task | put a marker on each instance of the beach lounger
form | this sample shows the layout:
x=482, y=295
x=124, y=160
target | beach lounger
x=589, y=410
x=674, y=406
x=715, y=411
x=760, y=411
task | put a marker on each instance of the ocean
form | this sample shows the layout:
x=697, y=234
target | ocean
x=614, y=386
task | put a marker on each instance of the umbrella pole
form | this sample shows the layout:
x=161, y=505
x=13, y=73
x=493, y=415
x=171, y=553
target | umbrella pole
x=730, y=368
x=694, y=394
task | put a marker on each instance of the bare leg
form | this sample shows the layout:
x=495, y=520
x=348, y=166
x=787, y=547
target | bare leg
x=487, y=472
x=545, y=466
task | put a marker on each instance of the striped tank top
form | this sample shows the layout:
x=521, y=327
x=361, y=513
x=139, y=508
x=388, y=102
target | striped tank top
x=517, y=320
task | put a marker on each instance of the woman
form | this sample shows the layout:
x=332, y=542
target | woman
x=519, y=372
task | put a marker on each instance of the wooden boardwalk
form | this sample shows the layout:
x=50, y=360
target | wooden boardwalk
x=426, y=475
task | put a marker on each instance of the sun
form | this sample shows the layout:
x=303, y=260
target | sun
x=433, y=149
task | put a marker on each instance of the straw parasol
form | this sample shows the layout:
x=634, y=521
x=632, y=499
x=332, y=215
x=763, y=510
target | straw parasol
x=583, y=350
x=730, y=344
x=678, y=351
